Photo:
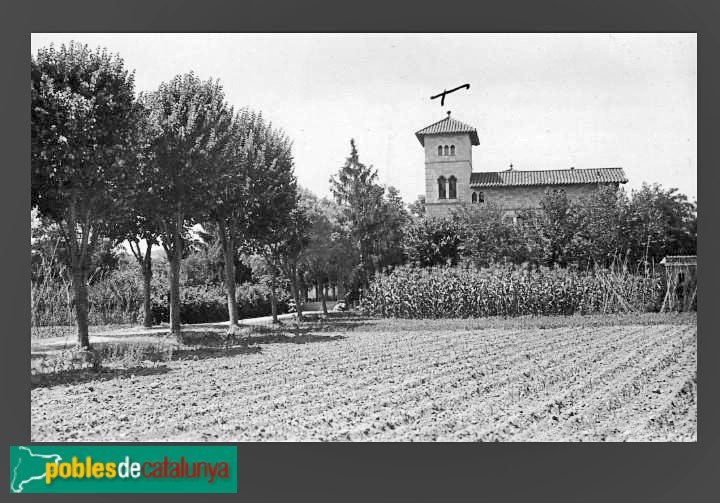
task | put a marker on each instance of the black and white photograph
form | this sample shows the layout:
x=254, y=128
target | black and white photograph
x=363, y=237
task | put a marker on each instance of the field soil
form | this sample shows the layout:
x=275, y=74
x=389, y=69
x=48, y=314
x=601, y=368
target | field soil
x=347, y=378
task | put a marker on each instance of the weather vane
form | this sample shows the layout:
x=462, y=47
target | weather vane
x=446, y=92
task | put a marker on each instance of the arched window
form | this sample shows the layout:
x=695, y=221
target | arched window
x=481, y=197
x=441, y=188
x=447, y=150
x=439, y=149
x=452, y=149
x=453, y=187
x=474, y=197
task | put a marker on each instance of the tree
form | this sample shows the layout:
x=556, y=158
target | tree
x=141, y=211
x=281, y=247
x=253, y=181
x=659, y=222
x=360, y=198
x=436, y=241
x=295, y=241
x=559, y=223
x=492, y=238
x=83, y=121
x=599, y=233
x=417, y=208
x=342, y=255
x=316, y=257
x=232, y=197
x=388, y=246
x=190, y=127
x=273, y=231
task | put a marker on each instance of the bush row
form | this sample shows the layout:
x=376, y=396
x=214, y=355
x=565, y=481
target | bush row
x=208, y=303
x=506, y=290
x=119, y=299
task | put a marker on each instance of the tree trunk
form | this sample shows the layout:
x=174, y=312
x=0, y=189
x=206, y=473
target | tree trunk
x=146, y=266
x=175, y=281
x=340, y=294
x=147, y=304
x=230, y=287
x=175, y=296
x=296, y=293
x=273, y=306
x=81, y=304
x=228, y=244
x=321, y=289
x=78, y=257
x=273, y=297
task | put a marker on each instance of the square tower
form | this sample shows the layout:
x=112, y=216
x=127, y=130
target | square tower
x=448, y=164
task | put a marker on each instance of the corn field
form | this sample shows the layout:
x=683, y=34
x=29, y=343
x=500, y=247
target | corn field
x=462, y=292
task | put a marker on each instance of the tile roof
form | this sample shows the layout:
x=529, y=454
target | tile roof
x=550, y=177
x=448, y=125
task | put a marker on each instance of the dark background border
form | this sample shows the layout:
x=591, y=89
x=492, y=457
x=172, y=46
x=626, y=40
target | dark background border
x=388, y=472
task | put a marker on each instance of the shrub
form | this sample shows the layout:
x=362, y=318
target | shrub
x=462, y=292
x=436, y=241
x=104, y=355
x=208, y=303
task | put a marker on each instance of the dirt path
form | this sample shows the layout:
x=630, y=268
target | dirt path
x=140, y=333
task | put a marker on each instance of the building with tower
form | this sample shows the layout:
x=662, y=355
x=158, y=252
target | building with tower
x=451, y=182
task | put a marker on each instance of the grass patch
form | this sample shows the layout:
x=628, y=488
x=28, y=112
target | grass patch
x=103, y=355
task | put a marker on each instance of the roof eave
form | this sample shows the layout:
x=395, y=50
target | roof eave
x=474, y=140
x=489, y=185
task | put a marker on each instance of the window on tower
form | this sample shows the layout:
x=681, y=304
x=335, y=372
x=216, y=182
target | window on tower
x=474, y=197
x=452, y=149
x=452, y=187
x=447, y=150
x=441, y=188
x=481, y=197
x=439, y=149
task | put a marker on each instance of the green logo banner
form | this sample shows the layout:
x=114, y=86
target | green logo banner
x=123, y=469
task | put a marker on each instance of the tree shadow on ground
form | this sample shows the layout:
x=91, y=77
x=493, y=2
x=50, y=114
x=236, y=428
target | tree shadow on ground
x=85, y=375
x=243, y=338
x=206, y=352
x=341, y=326
x=304, y=337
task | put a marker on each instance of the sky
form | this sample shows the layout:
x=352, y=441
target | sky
x=538, y=101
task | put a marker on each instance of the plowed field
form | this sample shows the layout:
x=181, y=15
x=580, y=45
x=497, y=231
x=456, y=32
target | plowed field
x=551, y=379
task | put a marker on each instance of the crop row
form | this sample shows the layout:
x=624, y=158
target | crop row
x=457, y=292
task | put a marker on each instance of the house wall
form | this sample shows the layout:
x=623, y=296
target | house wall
x=459, y=165
x=514, y=199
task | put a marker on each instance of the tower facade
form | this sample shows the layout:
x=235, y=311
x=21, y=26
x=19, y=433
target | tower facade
x=448, y=164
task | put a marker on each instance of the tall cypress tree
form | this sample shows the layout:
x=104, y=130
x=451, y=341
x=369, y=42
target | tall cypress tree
x=360, y=197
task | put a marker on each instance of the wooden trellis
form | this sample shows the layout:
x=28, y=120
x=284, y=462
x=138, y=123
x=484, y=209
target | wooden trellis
x=681, y=276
